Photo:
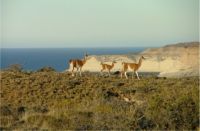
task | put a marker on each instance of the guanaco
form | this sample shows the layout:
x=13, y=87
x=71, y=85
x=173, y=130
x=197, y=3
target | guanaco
x=107, y=67
x=131, y=66
x=78, y=64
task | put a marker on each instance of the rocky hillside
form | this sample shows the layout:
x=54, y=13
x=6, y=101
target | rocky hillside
x=176, y=60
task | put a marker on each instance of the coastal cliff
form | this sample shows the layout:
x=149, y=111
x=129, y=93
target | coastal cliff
x=175, y=60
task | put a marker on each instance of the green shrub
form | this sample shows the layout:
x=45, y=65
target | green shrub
x=14, y=68
x=178, y=110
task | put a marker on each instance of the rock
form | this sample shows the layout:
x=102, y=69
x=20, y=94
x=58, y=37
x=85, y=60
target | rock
x=118, y=84
x=46, y=69
x=21, y=109
x=111, y=94
x=116, y=72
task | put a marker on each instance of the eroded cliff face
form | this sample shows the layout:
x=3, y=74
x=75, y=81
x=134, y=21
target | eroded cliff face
x=186, y=54
x=179, y=59
x=176, y=60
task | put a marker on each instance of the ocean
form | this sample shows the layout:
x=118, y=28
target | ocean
x=36, y=58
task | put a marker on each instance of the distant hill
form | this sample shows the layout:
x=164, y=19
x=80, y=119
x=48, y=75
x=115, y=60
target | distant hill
x=185, y=44
x=174, y=49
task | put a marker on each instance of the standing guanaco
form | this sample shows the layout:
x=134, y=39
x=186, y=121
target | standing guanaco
x=78, y=64
x=107, y=67
x=131, y=66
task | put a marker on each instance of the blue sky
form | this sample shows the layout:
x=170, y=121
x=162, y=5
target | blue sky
x=98, y=23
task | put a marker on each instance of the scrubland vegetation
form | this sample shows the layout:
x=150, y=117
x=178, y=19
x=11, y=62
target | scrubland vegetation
x=46, y=99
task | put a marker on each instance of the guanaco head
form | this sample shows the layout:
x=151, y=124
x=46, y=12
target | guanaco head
x=86, y=56
x=114, y=62
x=142, y=57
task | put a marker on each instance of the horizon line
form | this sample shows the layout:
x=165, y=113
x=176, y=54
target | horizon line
x=77, y=47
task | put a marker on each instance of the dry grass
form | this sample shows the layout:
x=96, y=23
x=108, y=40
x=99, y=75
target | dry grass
x=51, y=100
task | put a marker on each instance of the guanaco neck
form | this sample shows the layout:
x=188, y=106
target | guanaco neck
x=140, y=62
x=112, y=65
x=84, y=61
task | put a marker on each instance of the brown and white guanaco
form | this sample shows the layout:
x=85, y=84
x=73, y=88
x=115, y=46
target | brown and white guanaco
x=131, y=66
x=78, y=64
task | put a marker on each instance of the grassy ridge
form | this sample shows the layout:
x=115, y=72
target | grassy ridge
x=51, y=100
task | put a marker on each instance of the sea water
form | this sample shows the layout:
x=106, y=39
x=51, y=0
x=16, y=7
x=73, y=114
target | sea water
x=58, y=58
